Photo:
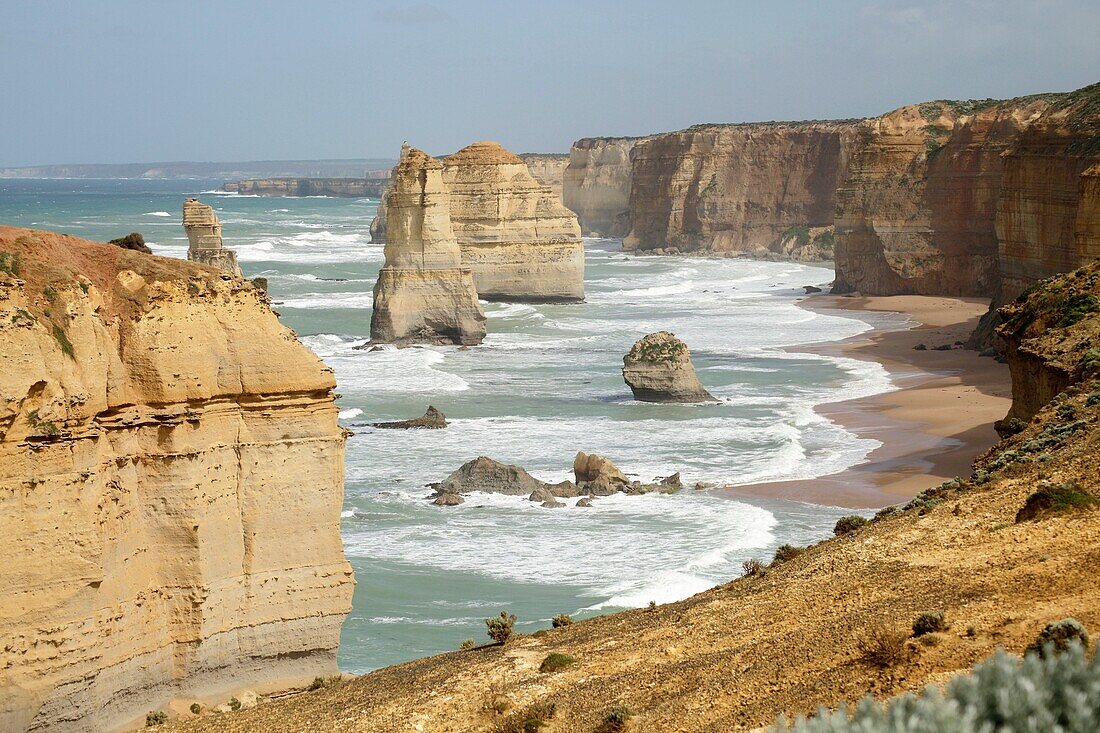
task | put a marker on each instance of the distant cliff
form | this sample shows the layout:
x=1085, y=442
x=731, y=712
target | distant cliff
x=171, y=479
x=344, y=187
x=548, y=169
x=597, y=183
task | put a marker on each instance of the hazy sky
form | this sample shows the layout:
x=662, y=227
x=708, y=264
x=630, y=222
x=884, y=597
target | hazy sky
x=146, y=80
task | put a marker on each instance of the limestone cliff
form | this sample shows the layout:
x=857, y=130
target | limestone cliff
x=204, y=237
x=424, y=294
x=735, y=188
x=516, y=237
x=1048, y=214
x=916, y=211
x=548, y=169
x=597, y=184
x=171, y=479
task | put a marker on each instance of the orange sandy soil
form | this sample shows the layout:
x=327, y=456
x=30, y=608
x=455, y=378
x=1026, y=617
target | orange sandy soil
x=931, y=428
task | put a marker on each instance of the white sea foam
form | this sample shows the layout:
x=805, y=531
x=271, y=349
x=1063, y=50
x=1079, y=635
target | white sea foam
x=157, y=213
x=349, y=414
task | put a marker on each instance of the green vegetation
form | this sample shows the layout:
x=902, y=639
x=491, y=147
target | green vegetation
x=49, y=293
x=660, y=346
x=1057, y=637
x=801, y=235
x=499, y=628
x=45, y=427
x=320, y=683
x=195, y=708
x=10, y=263
x=1078, y=307
x=466, y=645
x=616, y=719
x=752, y=566
x=883, y=646
x=85, y=287
x=930, y=110
x=933, y=146
x=63, y=340
x=1056, y=499
x=851, y=523
x=936, y=130
x=562, y=619
x=157, y=717
x=555, y=661
x=930, y=623
x=234, y=704
x=826, y=240
x=783, y=553
x=531, y=720
x=1003, y=694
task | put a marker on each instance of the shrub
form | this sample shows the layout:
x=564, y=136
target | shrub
x=1056, y=637
x=1078, y=307
x=9, y=263
x=783, y=553
x=1055, y=499
x=50, y=293
x=319, y=683
x=157, y=717
x=466, y=645
x=929, y=623
x=1093, y=399
x=615, y=720
x=63, y=340
x=555, y=661
x=500, y=627
x=195, y=708
x=562, y=619
x=752, y=566
x=886, y=511
x=883, y=646
x=234, y=704
x=652, y=606
x=1003, y=693
x=530, y=720
x=851, y=523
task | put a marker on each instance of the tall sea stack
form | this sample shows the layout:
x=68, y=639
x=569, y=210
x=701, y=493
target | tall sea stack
x=423, y=293
x=204, y=237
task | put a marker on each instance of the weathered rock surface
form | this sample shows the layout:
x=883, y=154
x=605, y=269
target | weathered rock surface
x=738, y=188
x=548, y=169
x=658, y=368
x=133, y=241
x=423, y=294
x=432, y=419
x=916, y=212
x=204, y=238
x=489, y=476
x=597, y=184
x=598, y=475
x=171, y=479
x=520, y=242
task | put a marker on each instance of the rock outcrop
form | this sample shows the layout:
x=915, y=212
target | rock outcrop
x=423, y=294
x=916, y=213
x=548, y=169
x=750, y=188
x=1048, y=214
x=517, y=238
x=658, y=368
x=204, y=238
x=132, y=241
x=433, y=419
x=598, y=476
x=493, y=477
x=171, y=479
x=597, y=184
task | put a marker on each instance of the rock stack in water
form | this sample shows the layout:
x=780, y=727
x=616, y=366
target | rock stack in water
x=423, y=293
x=659, y=369
x=516, y=235
x=204, y=237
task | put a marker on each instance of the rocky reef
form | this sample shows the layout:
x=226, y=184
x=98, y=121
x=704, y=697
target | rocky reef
x=516, y=237
x=424, y=294
x=432, y=419
x=658, y=368
x=916, y=213
x=597, y=184
x=736, y=188
x=204, y=238
x=171, y=479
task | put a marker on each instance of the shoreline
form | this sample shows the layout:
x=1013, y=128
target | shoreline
x=931, y=427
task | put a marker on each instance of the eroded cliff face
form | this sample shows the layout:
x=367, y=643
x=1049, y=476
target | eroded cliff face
x=548, y=169
x=171, y=478
x=916, y=211
x=597, y=184
x=735, y=188
x=424, y=293
x=1048, y=215
x=518, y=239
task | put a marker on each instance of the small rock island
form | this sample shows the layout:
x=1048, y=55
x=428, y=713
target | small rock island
x=659, y=369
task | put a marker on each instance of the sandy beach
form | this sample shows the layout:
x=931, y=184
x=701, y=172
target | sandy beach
x=931, y=428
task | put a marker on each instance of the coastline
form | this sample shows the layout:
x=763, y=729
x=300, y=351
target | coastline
x=932, y=427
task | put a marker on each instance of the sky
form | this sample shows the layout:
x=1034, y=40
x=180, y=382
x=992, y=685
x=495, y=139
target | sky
x=121, y=81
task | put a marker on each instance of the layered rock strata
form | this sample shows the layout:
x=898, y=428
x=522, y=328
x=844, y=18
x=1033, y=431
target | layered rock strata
x=597, y=184
x=658, y=368
x=204, y=238
x=424, y=294
x=548, y=169
x=516, y=237
x=736, y=188
x=171, y=479
x=916, y=213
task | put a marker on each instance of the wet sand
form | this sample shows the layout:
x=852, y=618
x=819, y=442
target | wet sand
x=931, y=428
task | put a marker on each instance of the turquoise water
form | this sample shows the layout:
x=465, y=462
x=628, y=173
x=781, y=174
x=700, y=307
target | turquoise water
x=545, y=384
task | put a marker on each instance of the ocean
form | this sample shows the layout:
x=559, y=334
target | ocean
x=545, y=384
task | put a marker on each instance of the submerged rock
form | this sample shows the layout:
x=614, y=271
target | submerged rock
x=433, y=419
x=132, y=241
x=584, y=502
x=447, y=499
x=659, y=369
